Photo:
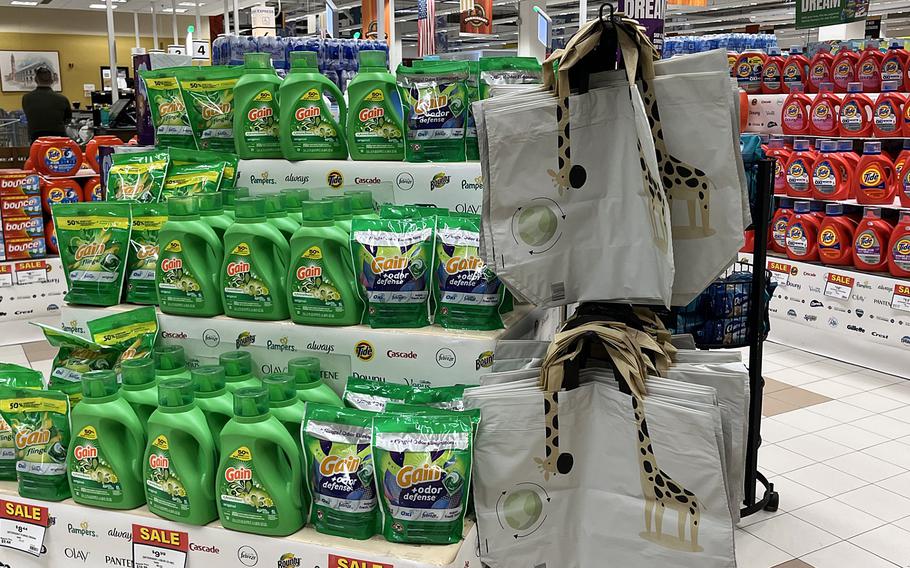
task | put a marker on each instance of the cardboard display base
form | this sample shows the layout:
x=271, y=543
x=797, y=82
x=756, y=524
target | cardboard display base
x=424, y=356
x=82, y=536
x=30, y=289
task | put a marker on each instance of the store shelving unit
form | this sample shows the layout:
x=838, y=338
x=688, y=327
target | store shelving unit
x=895, y=205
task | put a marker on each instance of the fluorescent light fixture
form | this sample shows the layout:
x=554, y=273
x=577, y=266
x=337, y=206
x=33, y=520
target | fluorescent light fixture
x=101, y=6
x=190, y=4
x=22, y=3
x=171, y=11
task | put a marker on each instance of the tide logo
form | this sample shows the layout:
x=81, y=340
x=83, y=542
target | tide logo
x=872, y=176
x=884, y=110
x=818, y=71
x=744, y=69
x=333, y=465
x=867, y=69
x=842, y=70
x=865, y=241
x=823, y=170
x=796, y=169
x=822, y=111
x=902, y=247
x=849, y=110
x=828, y=237
x=793, y=110
x=891, y=67
x=791, y=71
x=409, y=475
x=795, y=232
x=53, y=155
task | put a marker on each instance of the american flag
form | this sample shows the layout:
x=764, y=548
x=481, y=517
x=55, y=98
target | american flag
x=426, y=27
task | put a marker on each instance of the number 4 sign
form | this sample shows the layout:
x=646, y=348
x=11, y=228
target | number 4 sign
x=201, y=49
x=159, y=548
x=22, y=527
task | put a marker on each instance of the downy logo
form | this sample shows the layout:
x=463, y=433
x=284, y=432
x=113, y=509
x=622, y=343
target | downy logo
x=439, y=181
x=245, y=339
x=211, y=338
x=288, y=560
x=364, y=350
x=484, y=361
x=335, y=179
x=281, y=345
x=262, y=179
x=293, y=178
x=82, y=530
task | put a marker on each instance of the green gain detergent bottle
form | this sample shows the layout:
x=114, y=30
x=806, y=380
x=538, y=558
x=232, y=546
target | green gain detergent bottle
x=308, y=381
x=179, y=471
x=211, y=210
x=293, y=200
x=278, y=216
x=308, y=130
x=212, y=397
x=256, y=109
x=375, y=126
x=170, y=362
x=189, y=258
x=238, y=370
x=284, y=404
x=229, y=198
x=255, y=265
x=140, y=387
x=342, y=211
x=258, y=486
x=104, y=462
x=321, y=288
x=362, y=204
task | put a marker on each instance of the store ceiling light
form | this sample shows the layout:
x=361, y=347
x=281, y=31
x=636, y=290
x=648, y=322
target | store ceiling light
x=101, y=6
x=191, y=4
x=171, y=11
x=22, y=3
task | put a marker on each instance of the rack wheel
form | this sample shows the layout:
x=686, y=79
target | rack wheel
x=773, y=501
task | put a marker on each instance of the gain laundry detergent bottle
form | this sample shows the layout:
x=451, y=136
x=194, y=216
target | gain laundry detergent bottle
x=211, y=211
x=308, y=129
x=179, y=471
x=293, y=202
x=284, y=404
x=230, y=196
x=308, y=381
x=140, y=387
x=189, y=258
x=362, y=204
x=212, y=397
x=278, y=216
x=375, y=124
x=238, y=370
x=170, y=362
x=342, y=211
x=258, y=486
x=104, y=462
x=256, y=109
x=255, y=265
x=321, y=286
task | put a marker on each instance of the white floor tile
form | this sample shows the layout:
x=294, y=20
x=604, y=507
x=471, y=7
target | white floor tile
x=894, y=452
x=773, y=431
x=831, y=389
x=903, y=523
x=814, y=447
x=805, y=420
x=776, y=459
x=843, y=555
x=899, y=484
x=897, y=391
x=840, y=411
x=838, y=518
x=794, y=495
x=792, y=358
x=752, y=552
x=760, y=516
x=13, y=354
x=865, y=467
x=889, y=542
x=826, y=368
x=852, y=436
x=825, y=479
x=902, y=413
x=878, y=502
x=872, y=402
x=792, y=535
x=791, y=376
x=770, y=348
x=884, y=426
x=769, y=366
x=867, y=380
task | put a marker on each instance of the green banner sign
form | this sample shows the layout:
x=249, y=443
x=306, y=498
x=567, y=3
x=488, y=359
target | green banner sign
x=816, y=13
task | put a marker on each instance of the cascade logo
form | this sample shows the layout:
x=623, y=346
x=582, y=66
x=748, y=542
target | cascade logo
x=445, y=358
x=367, y=181
x=288, y=561
x=855, y=328
x=321, y=347
x=174, y=335
x=439, y=181
x=245, y=339
x=282, y=345
x=82, y=530
x=404, y=181
x=211, y=338
x=476, y=185
x=116, y=533
x=248, y=556
x=816, y=304
x=335, y=179
x=410, y=475
x=293, y=178
x=484, y=361
x=209, y=549
x=263, y=179
x=401, y=354
x=333, y=465
x=364, y=350
x=879, y=335
x=76, y=554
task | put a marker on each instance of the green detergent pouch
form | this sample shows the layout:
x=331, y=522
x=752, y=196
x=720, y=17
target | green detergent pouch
x=444, y=398
x=131, y=333
x=137, y=176
x=423, y=475
x=93, y=239
x=390, y=211
x=509, y=70
x=209, y=96
x=14, y=376
x=75, y=357
x=435, y=100
x=393, y=262
x=472, y=152
x=192, y=179
x=468, y=294
x=339, y=470
x=168, y=110
x=148, y=218
x=40, y=425
x=181, y=157
x=365, y=394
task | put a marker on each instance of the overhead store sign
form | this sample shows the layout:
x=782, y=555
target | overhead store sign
x=816, y=13
x=369, y=26
x=479, y=19
x=263, y=20
x=650, y=14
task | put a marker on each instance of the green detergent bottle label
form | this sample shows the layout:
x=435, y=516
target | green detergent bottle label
x=260, y=130
x=163, y=487
x=244, y=499
x=314, y=128
x=92, y=477
x=313, y=293
x=245, y=289
x=178, y=287
x=375, y=129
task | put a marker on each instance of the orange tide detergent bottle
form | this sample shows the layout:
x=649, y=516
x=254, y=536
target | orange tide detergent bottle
x=820, y=69
x=799, y=170
x=889, y=108
x=772, y=73
x=856, y=113
x=781, y=155
x=832, y=175
x=843, y=70
x=902, y=180
x=796, y=112
x=56, y=156
x=796, y=68
x=777, y=240
x=899, y=248
x=894, y=64
x=802, y=233
x=870, y=241
x=91, y=149
x=749, y=66
x=845, y=150
x=835, y=236
x=823, y=117
x=874, y=182
x=901, y=161
x=869, y=67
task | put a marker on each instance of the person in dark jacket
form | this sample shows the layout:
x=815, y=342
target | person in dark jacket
x=47, y=112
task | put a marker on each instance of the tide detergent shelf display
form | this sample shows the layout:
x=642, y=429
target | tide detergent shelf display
x=870, y=241
x=771, y=81
x=835, y=236
x=796, y=68
x=256, y=109
x=796, y=112
x=899, y=248
x=843, y=69
x=308, y=129
x=799, y=170
x=823, y=116
x=832, y=175
x=869, y=67
x=820, y=69
x=802, y=233
x=874, y=182
x=749, y=68
x=856, y=113
x=888, y=110
x=777, y=240
x=894, y=64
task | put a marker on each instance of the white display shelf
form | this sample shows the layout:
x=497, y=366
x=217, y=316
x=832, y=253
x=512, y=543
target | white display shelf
x=29, y=290
x=895, y=205
x=84, y=536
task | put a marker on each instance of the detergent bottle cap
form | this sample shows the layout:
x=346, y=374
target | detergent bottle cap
x=304, y=369
x=236, y=363
x=257, y=61
x=845, y=145
x=170, y=358
x=99, y=384
x=834, y=209
x=779, y=143
x=872, y=147
x=786, y=203
x=137, y=372
x=250, y=208
x=773, y=50
x=319, y=211
x=827, y=146
x=895, y=45
x=292, y=198
x=174, y=393
x=796, y=50
x=801, y=145
x=872, y=212
x=304, y=60
x=182, y=206
x=281, y=388
x=802, y=207
x=208, y=378
x=251, y=402
x=210, y=202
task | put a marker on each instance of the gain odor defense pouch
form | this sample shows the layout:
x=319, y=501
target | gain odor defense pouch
x=93, y=239
x=339, y=470
x=192, y=179
x=423, y=475
x=148, y=218
x=181, y=157
x=393, y=261
x=75, y=357
x=468, y=294
x=209, y=96
x=40, y=425
x=366, y=394
x=169, y=116
x=131, y=333
x=14, y=376
x=137, y=176
x=507, y=70
x=435, y=99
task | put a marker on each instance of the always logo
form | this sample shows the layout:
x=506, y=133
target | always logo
x=322, y=347
x=125, y=535
x=298, y=179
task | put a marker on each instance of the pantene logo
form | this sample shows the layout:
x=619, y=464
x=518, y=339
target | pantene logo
x=238, y=474
x=211, y=111
x=307, y=112
x=305, y=272
x=431, y=103
x=29, y=438
x=240, y=267
x=371, y=113
x=259, y=113
x=382, y=264
x=89, y=250
x=171, y=264
x=458, y=264
x=410, y=475
x=158, y=462
x=333, y=465
x=85, y=452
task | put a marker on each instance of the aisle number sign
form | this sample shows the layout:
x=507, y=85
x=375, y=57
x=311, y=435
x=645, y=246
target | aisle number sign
x=23, y=526
x=901, y=298
x=780, y=272
x=159, y=548
x=815, y=13
x=839, y=286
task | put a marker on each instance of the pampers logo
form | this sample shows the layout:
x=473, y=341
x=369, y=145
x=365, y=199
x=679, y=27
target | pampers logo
x=282, y=345
x=73, y=326
x=364, y=350
x=245, y=339
x=263, y=179
x=476, y=185
x=335, y=179
x=484, y=361
x=82, y=530
x=439, y=181
x=288, y=561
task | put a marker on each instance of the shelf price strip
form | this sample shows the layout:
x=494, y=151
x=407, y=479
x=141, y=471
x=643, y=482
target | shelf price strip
x=839, y=286
x=22, y=526
x=901, y=298
x=159, y=548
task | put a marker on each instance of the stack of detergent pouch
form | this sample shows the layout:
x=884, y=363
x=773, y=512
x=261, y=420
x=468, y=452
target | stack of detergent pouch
x=395, y=461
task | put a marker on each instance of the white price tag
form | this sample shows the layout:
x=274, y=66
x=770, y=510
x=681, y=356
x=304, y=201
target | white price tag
x=31, y=272
x=23, y=527
x=780, y=272
x=838, y=286
x=159, y=548
x=901, y=298
x=6, y=276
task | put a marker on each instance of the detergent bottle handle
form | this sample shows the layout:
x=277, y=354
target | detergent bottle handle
x=211, y=239
x=281, y=251
x=207, y=464
x=339, y=99
x=289, y=448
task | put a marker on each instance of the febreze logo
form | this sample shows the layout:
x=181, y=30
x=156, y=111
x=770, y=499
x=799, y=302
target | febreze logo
x=828, y=237
x=170, y=264
x=158, y=462
x=410, y=475
x=27, y=438
x=85, y=452
x=382, y=264
x=259, y=113
x=872, y=176
x=89, y=250
x=458, y=264
x=333, y=465
x=371, y=113
x=307, y=112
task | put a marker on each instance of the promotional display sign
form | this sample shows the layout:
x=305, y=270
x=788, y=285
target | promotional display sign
x=159, y=548
x=815, y=13
x=650, y=14
x=31, y=288
x=23, y=526
x=479, y=19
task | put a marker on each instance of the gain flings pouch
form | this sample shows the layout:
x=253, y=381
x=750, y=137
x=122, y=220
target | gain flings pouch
x=393, y=262
x=168, y=110
x=148, y=218
x=137, y=176
x=40, y=424
x=508, y=70
x=366, y=394
x=468, y=294
x=181, y=157
x=75, y=357
x=15, y=376
x=209, y=96
x=93, y=239
x=192, y=179
x=131, y=333
x=435, y=99
x=423, y=475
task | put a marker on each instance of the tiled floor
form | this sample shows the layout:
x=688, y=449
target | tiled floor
x=836, y=446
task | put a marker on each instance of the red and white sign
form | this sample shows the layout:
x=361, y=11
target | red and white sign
x=780, y=272
x=901, y=298
x=31, y=272
x=23, y=526
x=839, y=286
x=159, y=548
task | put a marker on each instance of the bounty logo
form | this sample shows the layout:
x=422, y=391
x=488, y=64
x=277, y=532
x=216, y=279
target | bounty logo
x=364, y=350
x=262, y=179
x=282, y=345
x=335, y=179
x=439, y=181
x=484, y=361
x=288, y=561
x=245, y=339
